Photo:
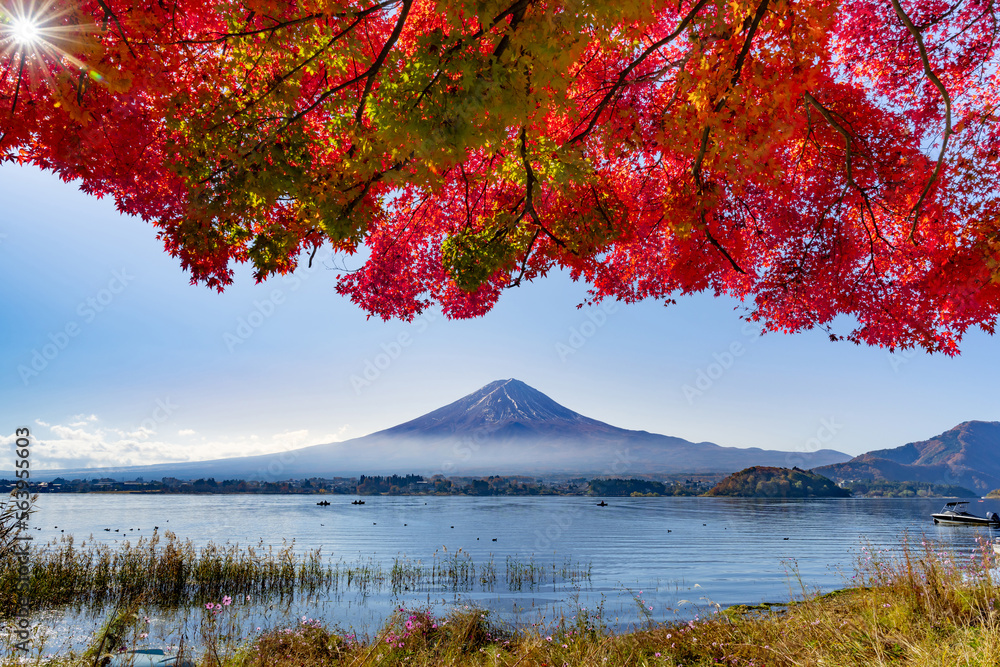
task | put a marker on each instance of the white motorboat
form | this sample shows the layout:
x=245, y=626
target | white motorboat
x=955, y=513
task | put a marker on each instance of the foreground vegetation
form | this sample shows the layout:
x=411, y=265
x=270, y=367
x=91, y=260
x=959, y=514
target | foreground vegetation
x=921, y=607
x=166, y=571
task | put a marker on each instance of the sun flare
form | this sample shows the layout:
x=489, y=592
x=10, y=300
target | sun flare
x=25, y=31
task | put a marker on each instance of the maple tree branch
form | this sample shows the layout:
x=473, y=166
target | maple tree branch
x=848, y=138
x=718, y=246
x=280, y=25
x=700, y=157
x=849, y=164
x=600, y=207
x=17, y=88
x=374, y=178
x=529, y=204
x=107, y=13
x=398, y=235
x=368, y=73
x=987, y=47
x=465, y=181
x=524, y=260
x=377, y=65
x=929, y=73
x=635, y=63
x=284, y=77
x=510, y=11
x=516, y=11
x=80, y=87
x=450, y=52
x=427, y=88
x=752, y=28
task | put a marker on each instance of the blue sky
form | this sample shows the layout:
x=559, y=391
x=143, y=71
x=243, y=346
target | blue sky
x=113, y=358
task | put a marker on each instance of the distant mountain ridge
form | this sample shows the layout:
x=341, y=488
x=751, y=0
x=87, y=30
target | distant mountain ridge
x=505, y=427
x=966, y=455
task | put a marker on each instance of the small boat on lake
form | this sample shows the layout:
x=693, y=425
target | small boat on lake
x=357, y=502
x=602, y=504
x=955, y=513
x=324, y=503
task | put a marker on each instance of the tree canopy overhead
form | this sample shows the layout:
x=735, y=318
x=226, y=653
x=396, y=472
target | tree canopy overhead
x=812, y=158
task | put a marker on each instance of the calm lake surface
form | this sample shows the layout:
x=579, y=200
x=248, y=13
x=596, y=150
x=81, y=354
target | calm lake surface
x=683, y=554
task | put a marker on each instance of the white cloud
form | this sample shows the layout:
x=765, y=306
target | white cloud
x=81, y=443
x=85, y=418
x=334, y=437
x=293, y=439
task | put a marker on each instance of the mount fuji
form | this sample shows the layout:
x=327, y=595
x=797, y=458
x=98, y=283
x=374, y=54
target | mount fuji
x=506, y=427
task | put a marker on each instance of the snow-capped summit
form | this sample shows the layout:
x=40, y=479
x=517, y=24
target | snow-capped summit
x=499, y=404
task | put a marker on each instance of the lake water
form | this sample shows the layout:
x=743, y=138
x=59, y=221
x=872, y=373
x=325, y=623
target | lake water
x=683, y=554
